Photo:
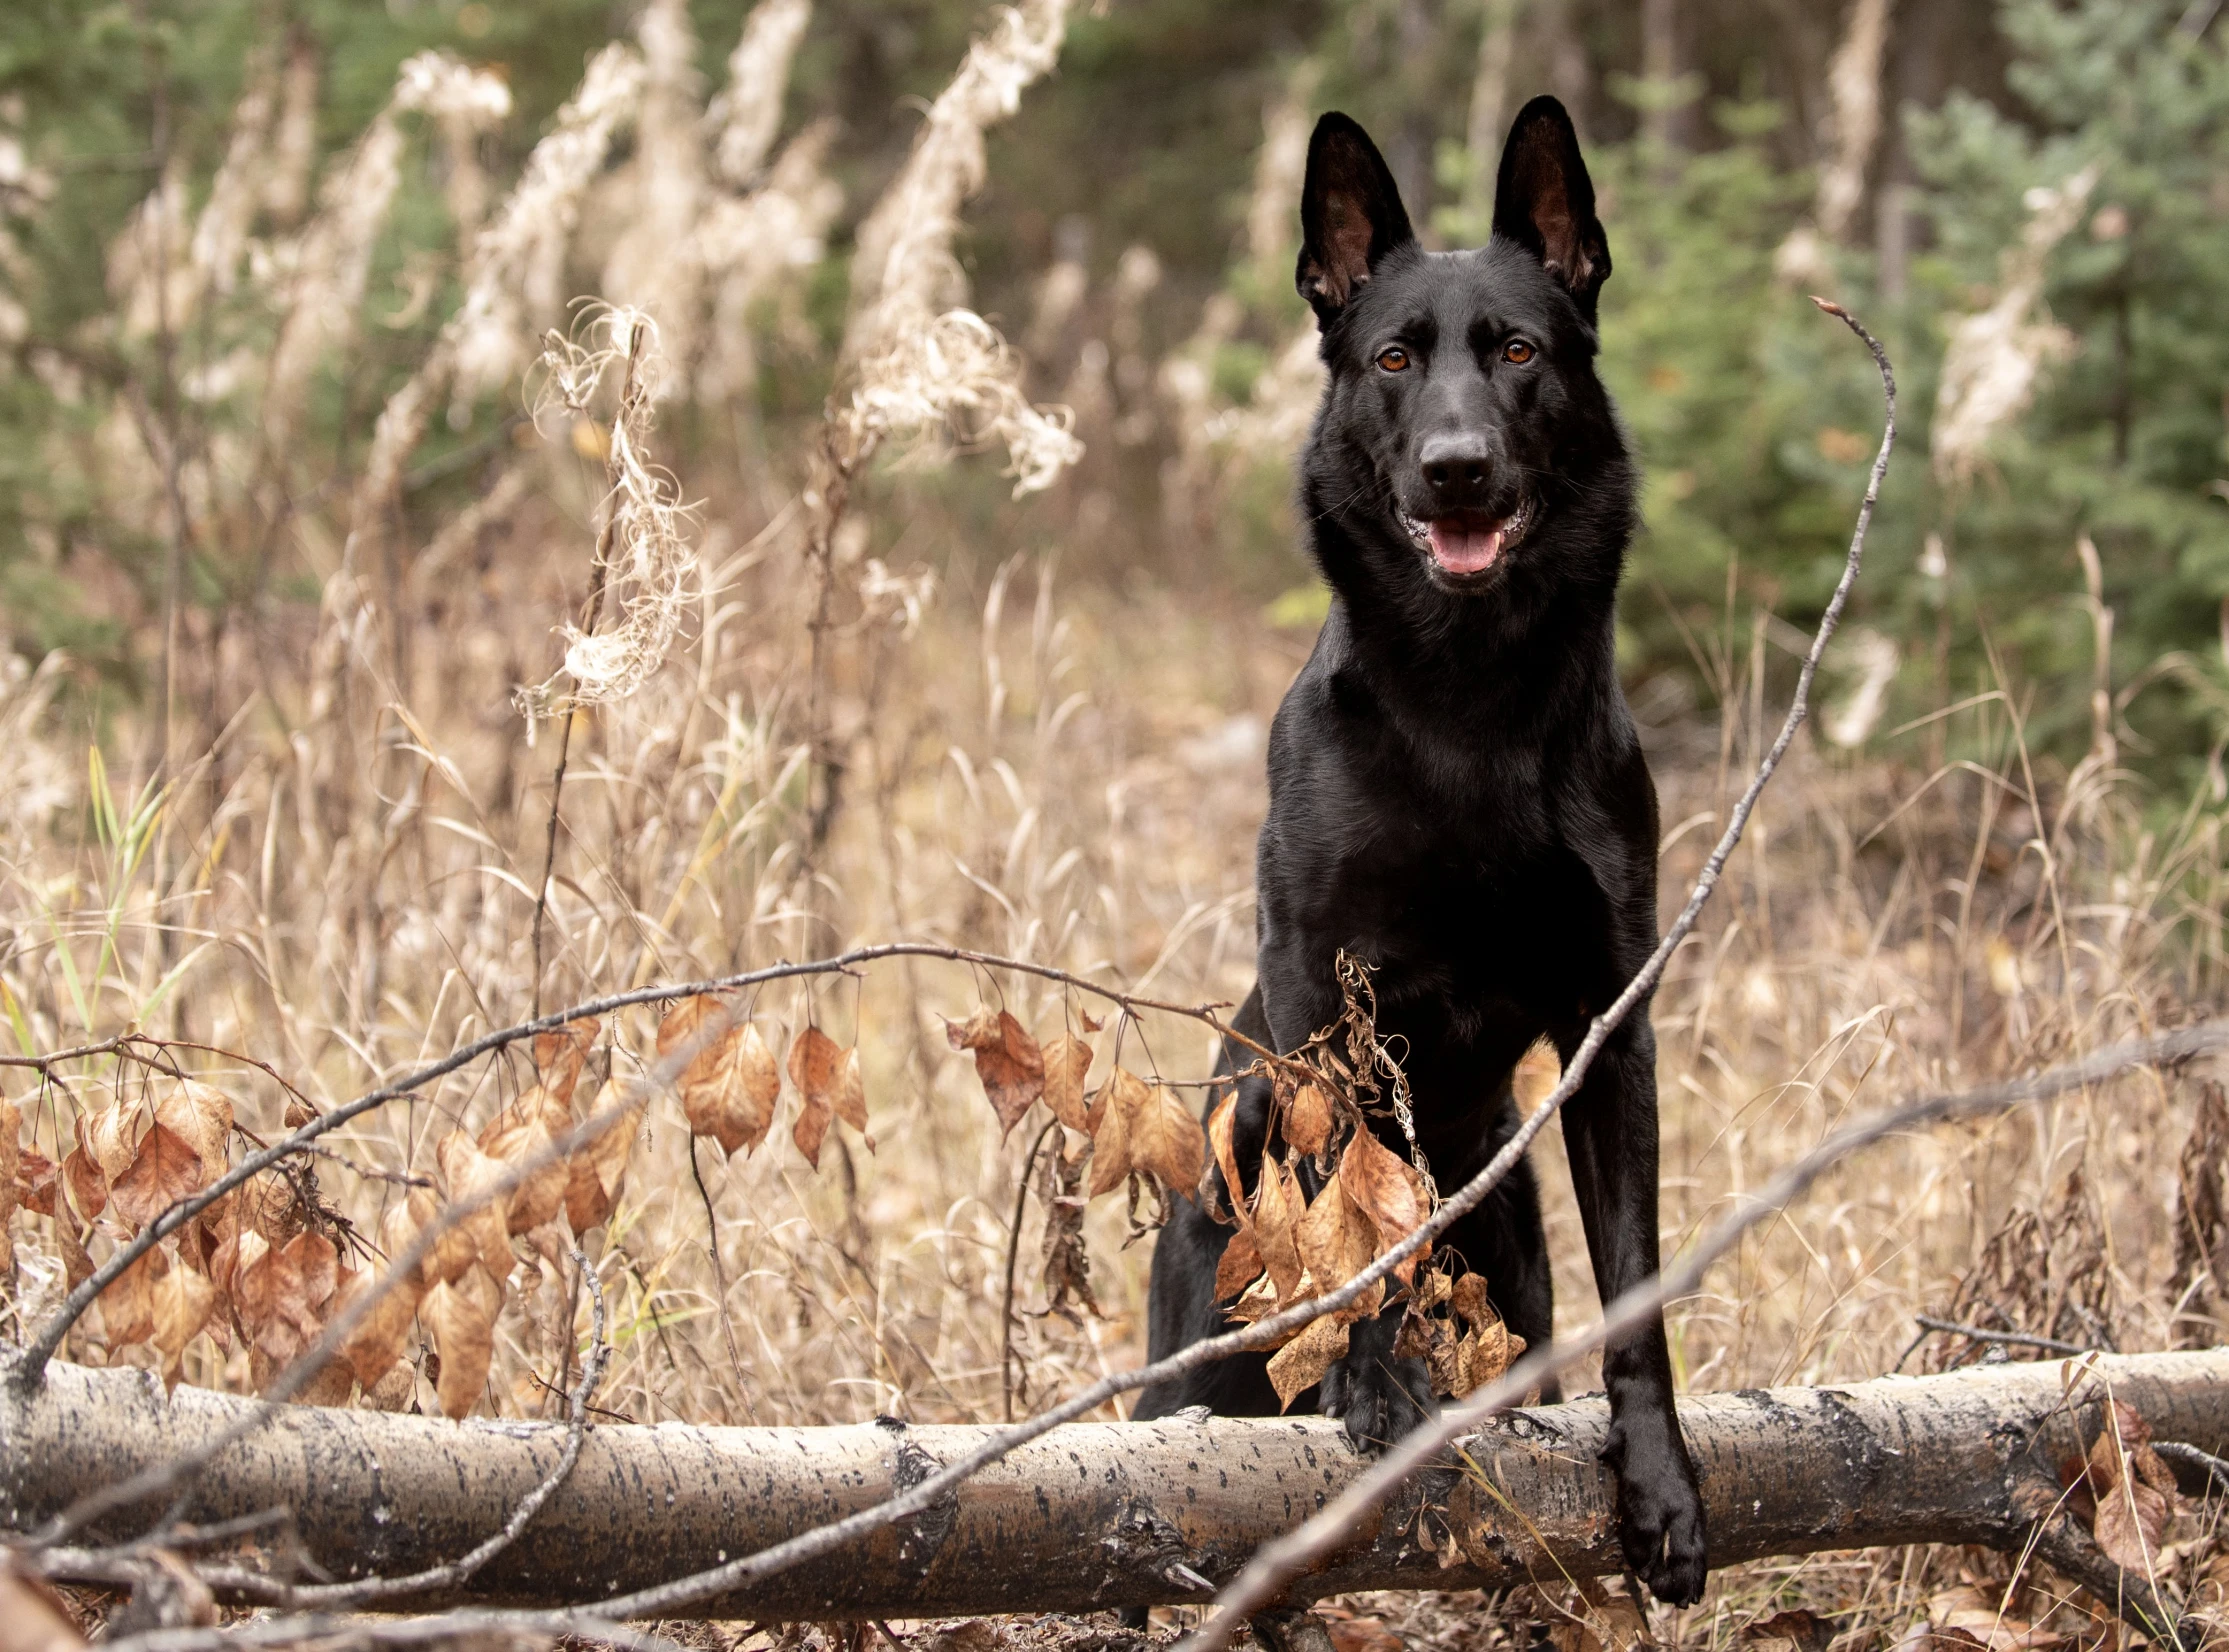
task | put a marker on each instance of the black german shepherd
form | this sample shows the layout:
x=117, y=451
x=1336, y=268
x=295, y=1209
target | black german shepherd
x=1457, y=796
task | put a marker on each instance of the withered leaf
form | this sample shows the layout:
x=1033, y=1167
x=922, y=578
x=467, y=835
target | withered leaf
x=1301, y=1363
x=1120, y=1100
x=376, y=1343
x=36, y=1619
x=1336, y=1240
x=2135, y=1491
x=165, y=1169
x=1386, y=1188
x=180, y=1302
x=87, y=1186
x=1067, y=1262
x=594, y=1175
x=1067, y=1065
x=403, y=1223
x=484, y=1233
x=127, y=1306
x=728, y=1092
x=459, y=1315
x=1222, y=1143
x=201, y=1114
x=36, y=1180
x=828, y=1086
x=518, y=1134
x=1307, y=1115
x=11, y=1158
x=1240, y=1267
x=1277, y=1208
x=1007, y=1061
x=110, y=1136
x=559, y=1056
x=282, y=1295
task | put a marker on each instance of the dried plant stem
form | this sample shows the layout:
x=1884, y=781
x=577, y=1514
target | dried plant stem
x=719, y=1270
x=828, y=502
x=1013, y=1254
x=596, y=581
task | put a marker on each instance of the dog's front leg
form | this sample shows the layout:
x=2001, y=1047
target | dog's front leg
x=1610, y=1133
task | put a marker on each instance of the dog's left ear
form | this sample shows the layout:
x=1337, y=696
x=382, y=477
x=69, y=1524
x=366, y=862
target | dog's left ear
x=1544, y=201
x=1350, y=216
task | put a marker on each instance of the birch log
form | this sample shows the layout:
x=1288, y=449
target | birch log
x=1099, y=1515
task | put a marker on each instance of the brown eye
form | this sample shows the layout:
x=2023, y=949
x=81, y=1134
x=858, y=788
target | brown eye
x=1517, y=351
x=1394, y=360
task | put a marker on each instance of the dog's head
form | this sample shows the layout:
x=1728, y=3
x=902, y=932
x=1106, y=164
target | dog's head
x=1464, y=447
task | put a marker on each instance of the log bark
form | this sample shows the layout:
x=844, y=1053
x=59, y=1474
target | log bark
x=1104, y=1514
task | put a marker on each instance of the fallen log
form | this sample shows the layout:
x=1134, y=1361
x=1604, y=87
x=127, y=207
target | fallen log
x=1098, y=1515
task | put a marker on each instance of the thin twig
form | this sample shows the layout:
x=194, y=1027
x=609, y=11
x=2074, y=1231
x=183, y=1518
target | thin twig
x=719, y=1270
x=1013, y=1253
x=600, y=572
x=2017, y=1339
x=2177, y=1451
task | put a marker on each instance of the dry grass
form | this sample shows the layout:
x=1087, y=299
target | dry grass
x=341, y=880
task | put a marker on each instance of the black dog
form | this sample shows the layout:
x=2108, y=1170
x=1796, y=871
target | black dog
x=1457, y=796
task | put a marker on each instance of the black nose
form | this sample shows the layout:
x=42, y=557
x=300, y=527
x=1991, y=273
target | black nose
x=1457, y=468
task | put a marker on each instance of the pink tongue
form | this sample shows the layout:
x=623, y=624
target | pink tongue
x=1465, y=550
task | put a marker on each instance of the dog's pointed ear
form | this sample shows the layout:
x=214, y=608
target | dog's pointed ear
x=1544, y=201
x=1350, y=216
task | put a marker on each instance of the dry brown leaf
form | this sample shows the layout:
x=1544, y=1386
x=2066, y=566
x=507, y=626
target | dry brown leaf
x=1277, y=1209
x=282, y=1295
x=11, y=1158
x=1307, y=1116
x=1301, y=1363
x=376, y=1343
x=164, y=1170
x=1119, y=1101
x=1007, y=1061
x=2135, y=1491
x=33, y=1618
x=519, y=1133
x=1067, y=1261
x=1957, y=1618
x=202, y=1114
x=1222, y=1142
x=1802, y=1630
x=37, y=1177
x=1604, y=1623
x=127, y=1306
x=88, y=1188
x=828, y=1085
x=401, y=1225
x=595, y=1172
x=729, y=1091
x=1360, y=1634
x=110, y=1137
x=1240, y=1267
x=560, y=1055
x=1166, y=1139
x=470, y=1174
x=1336, y=1243
x=1067, y=1065
x=180, y=1302
x=1386, y=1188
x=459, y=1315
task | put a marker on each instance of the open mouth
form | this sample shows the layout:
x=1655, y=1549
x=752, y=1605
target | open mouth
x=1467, y=544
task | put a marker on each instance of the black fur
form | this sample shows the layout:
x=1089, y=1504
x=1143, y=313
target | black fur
x=1457, y=795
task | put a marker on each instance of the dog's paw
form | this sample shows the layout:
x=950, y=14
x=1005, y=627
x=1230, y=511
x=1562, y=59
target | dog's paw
x=1660, y=1513
x=1379, y=1397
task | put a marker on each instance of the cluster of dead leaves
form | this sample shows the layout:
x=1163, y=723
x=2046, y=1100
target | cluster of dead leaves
x=1136, y=1129
x=2128, y=1491
x=731, y=1085
x=456, y=1290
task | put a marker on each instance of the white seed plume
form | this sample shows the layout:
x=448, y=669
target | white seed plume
x=650, y=567
x=220, y=236
x=286, y=191
x=1851, y=723
x=745, y=245
x=740, y=125
x=516, y=279
x=926, y=366
x=1991, y=362
x=462, y=103
x=648, y=268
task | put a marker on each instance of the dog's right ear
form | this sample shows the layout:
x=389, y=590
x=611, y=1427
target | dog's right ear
x=1350, y=216
x=1544, y=201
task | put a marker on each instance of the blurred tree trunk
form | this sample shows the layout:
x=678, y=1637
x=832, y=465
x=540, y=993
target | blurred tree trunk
x=1664, y=121
x=1490, y=112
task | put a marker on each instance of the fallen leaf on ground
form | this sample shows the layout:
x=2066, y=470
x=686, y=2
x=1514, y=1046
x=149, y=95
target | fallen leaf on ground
x=1007, y=1061
x=33, y=1618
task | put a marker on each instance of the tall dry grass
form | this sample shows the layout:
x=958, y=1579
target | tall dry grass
x=330, y=863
